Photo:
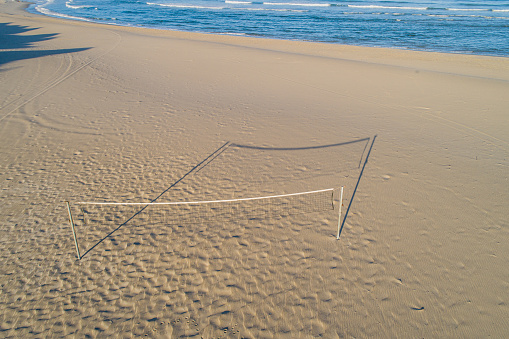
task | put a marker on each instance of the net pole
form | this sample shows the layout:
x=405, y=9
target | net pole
x=339, y=217
x=71, y=221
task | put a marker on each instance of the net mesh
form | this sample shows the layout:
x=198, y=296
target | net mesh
x=203, y=211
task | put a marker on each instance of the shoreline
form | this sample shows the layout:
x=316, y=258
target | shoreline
x=478, y=65
x=185, y=33
x=70, y=17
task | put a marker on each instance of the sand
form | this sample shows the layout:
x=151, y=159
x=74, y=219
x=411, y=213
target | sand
x=420, y=141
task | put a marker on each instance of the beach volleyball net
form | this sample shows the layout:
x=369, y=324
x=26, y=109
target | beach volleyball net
x=113, y=215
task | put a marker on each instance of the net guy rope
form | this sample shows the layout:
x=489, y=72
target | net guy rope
x=322, y=198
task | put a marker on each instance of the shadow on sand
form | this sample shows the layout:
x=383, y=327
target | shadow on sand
x=367, y=140
x=222, y=149
x=356, y=186
x=199, y=166
x=13, y=37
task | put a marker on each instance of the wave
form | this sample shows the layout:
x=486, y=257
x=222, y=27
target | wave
x=413, y=8
x=469, y=9
x=69, y=4
x=297, y=4
x=238, y=2
x=259, y=5
x=429, y=8
x=221, y=8
x=272, y=10
x=234, y=2
x=388, y=7
x=45, y=11
x=78, y=7
x=184, y=6
x=380, y=10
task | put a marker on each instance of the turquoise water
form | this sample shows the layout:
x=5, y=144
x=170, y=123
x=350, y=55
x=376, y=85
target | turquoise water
x=453, y=26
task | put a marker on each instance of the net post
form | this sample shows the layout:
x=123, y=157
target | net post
x=71, y=221
x=339, y=217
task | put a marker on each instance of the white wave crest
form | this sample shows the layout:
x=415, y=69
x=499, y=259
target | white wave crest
x=296, y=4
x=184, y=6
x=231, y=8
x=68, y=5
x=272, y=10
x=238, y=2
x=388, y=7
x=468, y=9
x=43, y=10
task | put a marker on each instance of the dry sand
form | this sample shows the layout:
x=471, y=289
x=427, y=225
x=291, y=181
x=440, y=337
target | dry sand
x=102, y=113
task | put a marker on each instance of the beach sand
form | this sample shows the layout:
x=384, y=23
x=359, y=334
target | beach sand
x=420, y=142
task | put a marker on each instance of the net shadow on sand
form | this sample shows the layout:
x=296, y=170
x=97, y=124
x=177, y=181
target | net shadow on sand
x=194, y=214
x=206, y=276
x=204, y=162
x=356, y=186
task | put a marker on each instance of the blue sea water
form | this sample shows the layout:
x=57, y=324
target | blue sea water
x=452, y=26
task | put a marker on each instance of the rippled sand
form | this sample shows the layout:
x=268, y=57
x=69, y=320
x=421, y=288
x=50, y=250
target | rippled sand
x=100, y=113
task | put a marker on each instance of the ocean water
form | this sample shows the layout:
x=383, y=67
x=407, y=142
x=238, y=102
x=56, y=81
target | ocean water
x=452, y=26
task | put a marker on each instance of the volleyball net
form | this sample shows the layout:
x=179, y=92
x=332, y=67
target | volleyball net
x=116, y=214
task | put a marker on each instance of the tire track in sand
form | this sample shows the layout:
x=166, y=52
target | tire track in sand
x=59, y=79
